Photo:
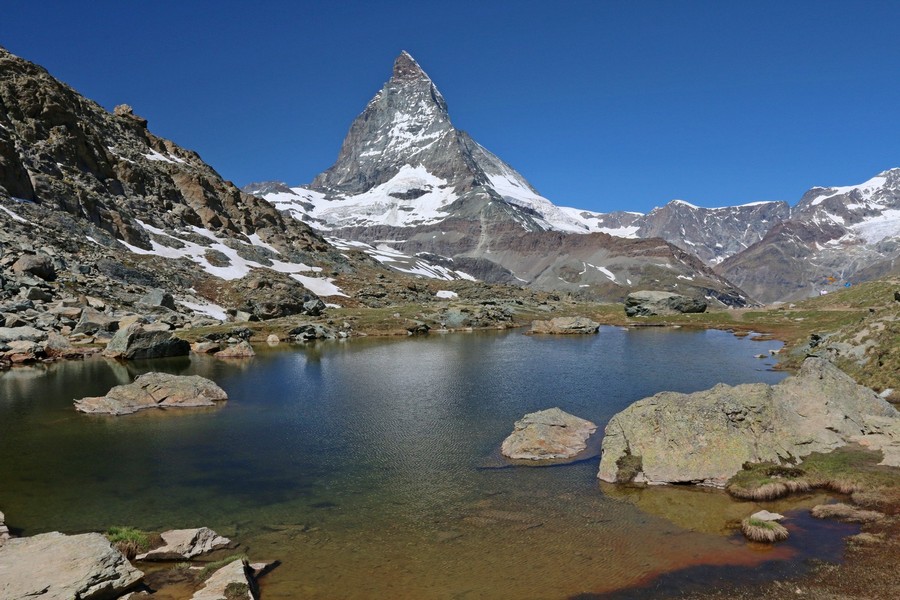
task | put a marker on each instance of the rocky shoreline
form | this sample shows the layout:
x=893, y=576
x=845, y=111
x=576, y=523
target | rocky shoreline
x=877, y=426
x=98, y=566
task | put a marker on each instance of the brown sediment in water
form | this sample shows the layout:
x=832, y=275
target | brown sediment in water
x=496, y=548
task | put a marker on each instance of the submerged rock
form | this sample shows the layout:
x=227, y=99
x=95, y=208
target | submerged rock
x=707, y=436
x=53, y=566
x=154, y=390
x=183, y=544
x=565, y=325
x=547, y=435
x=649, y=303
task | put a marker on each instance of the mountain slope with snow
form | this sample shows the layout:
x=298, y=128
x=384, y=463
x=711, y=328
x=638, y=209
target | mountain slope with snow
x=835, y=236
x=408, y=183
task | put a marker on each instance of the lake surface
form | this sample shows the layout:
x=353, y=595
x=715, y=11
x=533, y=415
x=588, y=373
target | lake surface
x=370, y=467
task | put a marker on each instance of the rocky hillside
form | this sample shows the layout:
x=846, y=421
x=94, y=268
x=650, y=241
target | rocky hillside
x=407, y=182
x=711, y=234
x=94, y=205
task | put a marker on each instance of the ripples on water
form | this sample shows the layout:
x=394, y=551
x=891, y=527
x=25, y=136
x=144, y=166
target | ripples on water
x=358, y=464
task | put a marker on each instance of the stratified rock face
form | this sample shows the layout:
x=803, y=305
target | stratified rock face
x=550, y=434
x=565, y=325
x=184, y=544
x=649, y=303
x=154, y=390
x=707, y=436
x=712, y=234
x=136, y=342
x=53, y=566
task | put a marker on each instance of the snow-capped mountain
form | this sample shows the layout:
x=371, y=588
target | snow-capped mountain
x=407, y=182
x=835, y=236
x=404, y=164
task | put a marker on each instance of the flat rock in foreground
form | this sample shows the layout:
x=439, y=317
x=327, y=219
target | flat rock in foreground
x=53, y=566
x=707, y=436
x=234, y=581
x=565, y=325
x=184, y=544
x=155, y=390
x=548, y=435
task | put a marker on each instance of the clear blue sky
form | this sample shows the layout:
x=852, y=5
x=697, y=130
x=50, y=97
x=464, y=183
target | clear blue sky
x=601, y=105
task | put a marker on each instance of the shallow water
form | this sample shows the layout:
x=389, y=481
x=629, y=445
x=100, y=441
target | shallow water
x=366, y=466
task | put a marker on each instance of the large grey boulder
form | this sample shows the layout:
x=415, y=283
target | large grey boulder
x=184, y=544
x=154, y=390
x=92, y=321
x=53, y=566
x=39, y=265
x=565, y=325
x=158, y=297
x=24, y=333
x=649, y=303
x=547, y=435
x=136, y=342
x=707, y=436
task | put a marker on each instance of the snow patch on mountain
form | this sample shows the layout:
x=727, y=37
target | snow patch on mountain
x=237, y=266
x=866, y=190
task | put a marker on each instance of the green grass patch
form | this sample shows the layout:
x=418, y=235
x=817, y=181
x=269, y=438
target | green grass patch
x=128, y=540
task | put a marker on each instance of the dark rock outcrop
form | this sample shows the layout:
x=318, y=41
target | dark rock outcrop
x=649, y=303
x=135, y=342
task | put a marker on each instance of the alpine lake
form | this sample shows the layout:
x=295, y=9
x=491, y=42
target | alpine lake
x=371, y=468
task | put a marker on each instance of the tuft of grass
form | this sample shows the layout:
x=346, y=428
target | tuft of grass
x=629, y=466
x=236, y=591
x=763, y=531
x=846, y=513
x=767, y=481
x=128, y=540
x=850, y=469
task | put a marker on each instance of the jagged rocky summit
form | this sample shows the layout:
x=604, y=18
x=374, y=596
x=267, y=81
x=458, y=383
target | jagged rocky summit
x=422, y=196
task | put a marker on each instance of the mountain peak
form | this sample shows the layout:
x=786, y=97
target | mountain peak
x=406, y=68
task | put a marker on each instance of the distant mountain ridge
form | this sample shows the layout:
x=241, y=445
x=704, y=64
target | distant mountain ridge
x=406, y=179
